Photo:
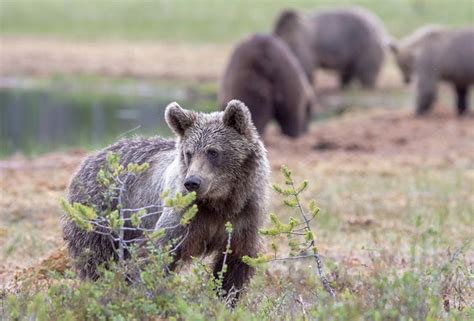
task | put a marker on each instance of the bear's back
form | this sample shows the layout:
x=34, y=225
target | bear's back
x=84, y=187
x=342, y=34
x=457, y=57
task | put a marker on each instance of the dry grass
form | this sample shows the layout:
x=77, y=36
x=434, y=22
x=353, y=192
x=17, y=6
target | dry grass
x=20, y=56
x=372, y=174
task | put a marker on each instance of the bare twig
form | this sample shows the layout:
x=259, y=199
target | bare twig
x=142, y=208
x=292, y=257
x=316, y=256
x=226, y=252
x=302, y=303
x=128, y=132
x=119, y=206
x=180, y=242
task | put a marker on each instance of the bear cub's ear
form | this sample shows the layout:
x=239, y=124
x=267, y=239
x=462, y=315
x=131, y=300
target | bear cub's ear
x=178, y=119
x=393, y=46
x=237, y=116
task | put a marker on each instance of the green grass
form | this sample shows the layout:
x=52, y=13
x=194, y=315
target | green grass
x=201, y=21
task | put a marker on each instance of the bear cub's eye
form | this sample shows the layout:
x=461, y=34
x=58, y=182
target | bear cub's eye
x=189, y=155
x=212, y=153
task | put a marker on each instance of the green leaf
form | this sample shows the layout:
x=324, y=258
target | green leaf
x=188, y=215
x=137, y=169
x=274, y=247
x=228, y=227
x=277, y=188
x=269, y=232
x=88, y=213
x=313, y=208
x=114, y=221
x=254, y=262
x=156, y=235
x=274, y=219
x=286, y=172
x=293, y=222
x=294, y=244
x=65, y=205
x=303, y=186
x=290, y=203
x=135, y=219
x=78, y=216
x=165, y=194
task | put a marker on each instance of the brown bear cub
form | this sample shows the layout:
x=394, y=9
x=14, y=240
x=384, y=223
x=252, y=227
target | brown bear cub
x=219, y=156
x=434, y=53
x=349, y=41
x=263, y=73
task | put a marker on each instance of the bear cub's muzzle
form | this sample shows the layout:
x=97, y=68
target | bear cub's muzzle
x=193, y=183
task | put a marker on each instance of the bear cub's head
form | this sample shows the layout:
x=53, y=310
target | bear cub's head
x=216, y=150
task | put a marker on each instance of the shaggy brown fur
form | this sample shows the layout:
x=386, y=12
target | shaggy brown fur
x=349, y=41
x=218, y=155
x=435, y=53
x=263, y=74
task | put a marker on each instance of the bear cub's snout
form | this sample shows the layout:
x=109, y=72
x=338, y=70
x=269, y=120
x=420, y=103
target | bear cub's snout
x=193, y=183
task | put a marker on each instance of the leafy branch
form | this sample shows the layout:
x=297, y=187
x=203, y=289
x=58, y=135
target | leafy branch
x=298, y=231
x=115, y=218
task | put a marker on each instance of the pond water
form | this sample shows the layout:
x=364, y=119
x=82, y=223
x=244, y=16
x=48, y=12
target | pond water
x=38, y=116
x=37, y=119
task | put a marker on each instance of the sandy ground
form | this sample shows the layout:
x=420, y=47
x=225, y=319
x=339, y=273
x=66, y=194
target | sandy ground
x=363, y=142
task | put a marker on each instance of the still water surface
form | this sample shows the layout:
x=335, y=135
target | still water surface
x=36, y=120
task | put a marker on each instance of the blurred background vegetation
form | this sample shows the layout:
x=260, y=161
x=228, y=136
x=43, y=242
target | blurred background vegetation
x=202, y=21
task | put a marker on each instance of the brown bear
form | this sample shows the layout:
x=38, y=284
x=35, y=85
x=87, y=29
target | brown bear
x=435, y=53
x=350, y=41
x=219, y=156
x=264, y=75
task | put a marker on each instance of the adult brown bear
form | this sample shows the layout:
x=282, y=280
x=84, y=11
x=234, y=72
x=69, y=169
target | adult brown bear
x=350, y=41
x=263, y=73
x=435, y=53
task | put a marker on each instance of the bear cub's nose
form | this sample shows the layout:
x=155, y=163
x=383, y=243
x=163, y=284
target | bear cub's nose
x=192, y=183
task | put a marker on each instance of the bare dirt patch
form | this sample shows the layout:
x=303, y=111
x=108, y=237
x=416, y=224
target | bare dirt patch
x=439, y=139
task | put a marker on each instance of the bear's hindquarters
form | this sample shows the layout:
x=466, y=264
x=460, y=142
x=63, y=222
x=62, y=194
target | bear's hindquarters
x=368, y=67
x=88, y=250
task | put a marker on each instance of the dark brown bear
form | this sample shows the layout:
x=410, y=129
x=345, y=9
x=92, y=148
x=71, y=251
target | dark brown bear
x=350, y=41
x=263, y=73
x=219, y=156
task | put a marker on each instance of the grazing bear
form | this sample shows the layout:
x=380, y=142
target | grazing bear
x=435, y=53
x=219, y=156
x=264, y=75
x=349, y=41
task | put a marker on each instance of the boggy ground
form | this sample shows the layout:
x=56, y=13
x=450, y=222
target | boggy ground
x=372, y=173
